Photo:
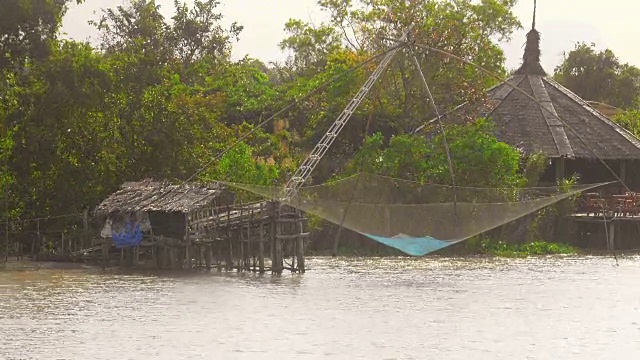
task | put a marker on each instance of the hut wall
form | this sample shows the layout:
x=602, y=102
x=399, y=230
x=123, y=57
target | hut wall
x=168, y=224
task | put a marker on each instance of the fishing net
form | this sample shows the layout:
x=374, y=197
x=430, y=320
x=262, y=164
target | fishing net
x=412, y=217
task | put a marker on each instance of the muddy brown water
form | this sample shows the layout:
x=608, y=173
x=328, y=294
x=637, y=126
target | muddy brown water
x=539, y=308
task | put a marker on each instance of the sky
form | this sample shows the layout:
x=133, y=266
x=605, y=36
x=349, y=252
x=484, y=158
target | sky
x=609, y=24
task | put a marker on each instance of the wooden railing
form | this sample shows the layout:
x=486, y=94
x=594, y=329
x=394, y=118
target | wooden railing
x=596, y=204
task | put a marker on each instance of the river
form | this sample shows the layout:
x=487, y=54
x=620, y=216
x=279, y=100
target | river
x=538, y=308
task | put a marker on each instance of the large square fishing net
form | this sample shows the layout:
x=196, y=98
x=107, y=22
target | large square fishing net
x=412, y=217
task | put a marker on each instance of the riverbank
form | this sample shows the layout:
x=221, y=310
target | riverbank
x=477, y=248
x=473, y=248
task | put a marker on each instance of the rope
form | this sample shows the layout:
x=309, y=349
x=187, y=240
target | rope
x=444, y=136
x=336, y=241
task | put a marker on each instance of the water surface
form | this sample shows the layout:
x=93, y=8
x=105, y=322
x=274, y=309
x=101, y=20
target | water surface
x=544, y=308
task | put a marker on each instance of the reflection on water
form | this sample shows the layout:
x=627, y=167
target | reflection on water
x=551, y=308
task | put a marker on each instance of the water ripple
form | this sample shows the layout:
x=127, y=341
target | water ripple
x=553, y=307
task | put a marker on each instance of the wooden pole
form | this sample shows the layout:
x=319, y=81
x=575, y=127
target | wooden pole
x=39, y=238
x=209, y=256
x=300, y=245
x=273, y=233
x=85, y=224
x=261, y=249
x=249, y=239
x=188, y=242
x=242, y=263
x=559, y=169
x=229, y=262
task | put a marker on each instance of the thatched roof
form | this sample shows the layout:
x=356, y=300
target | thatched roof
x=546, y=125
x=151, y=195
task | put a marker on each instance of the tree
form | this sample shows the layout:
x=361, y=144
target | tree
x=479, y=159
x=599, y=76
x=398, y=102
x=630, y=120
x=27, y=29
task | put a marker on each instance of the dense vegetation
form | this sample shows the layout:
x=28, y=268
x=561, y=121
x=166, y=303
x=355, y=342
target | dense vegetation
x=598, y=75
x=160, y=98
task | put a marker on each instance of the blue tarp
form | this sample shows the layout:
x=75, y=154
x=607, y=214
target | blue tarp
x=131, y=235
x=414, y=246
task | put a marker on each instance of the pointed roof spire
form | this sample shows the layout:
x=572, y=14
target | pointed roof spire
x=535, y=6
x=531, y=59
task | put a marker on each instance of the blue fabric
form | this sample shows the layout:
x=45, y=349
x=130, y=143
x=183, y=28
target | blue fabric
x=414, y=246
x=130, y=236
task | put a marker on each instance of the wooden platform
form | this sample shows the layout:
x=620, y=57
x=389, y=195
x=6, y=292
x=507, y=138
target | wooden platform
x=255, y=237
x=611, y=232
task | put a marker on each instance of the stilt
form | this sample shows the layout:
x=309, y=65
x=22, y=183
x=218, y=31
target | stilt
x=187, y=239
x=300, y=254
x=276, y=265
x=229, y=262
x=106, y=244
x=208, y=256
x=172, y=258
x=249, y=240
x=612, y=235
x=219, y=256
x=261, y=248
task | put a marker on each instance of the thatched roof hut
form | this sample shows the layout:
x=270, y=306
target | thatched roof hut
x=157, y=196
x=526, y=124
x=559, y=124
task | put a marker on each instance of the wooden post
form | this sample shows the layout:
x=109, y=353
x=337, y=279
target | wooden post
x=623, y=170
x=208, y=256
x=249, y=239
x=85, y=225
x=300, y=245
x=134, y=255
x=276, y=262
x=242, y=261
x=219, y=256
x=559, y=169
x=172, y=257
x=261, y=245
x=273, y=233
x=387, y=221
x=187, y=240
x=612, y=235
x=105, y=251
x=39, y=238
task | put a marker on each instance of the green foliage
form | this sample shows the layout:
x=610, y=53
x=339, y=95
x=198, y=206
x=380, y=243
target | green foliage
x=240, y=165
x=630, y=120
x=479, y=159
x=599, y=76
x=537, y=248
x=27, y=28
x=544, y=221
x=397, y=103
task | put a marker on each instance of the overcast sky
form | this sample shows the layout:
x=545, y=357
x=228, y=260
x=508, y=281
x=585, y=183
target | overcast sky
x=612, y=24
